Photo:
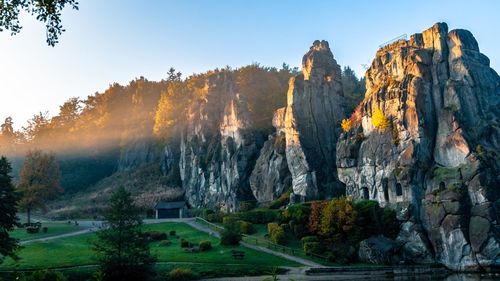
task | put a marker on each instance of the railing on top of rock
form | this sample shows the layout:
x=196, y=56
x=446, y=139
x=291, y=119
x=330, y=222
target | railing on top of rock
x=262, y=242
x=400, y=37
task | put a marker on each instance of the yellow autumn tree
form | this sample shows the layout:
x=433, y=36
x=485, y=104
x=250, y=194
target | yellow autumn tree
x=346, y=125
x=379, y=120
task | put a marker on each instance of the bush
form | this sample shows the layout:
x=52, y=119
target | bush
x=231, y=234
x=297, y=215
x=338, y=220
x=283, y=200
x=185, y=244
x=259, y=216
x=308, y=239
x=342, y=253
x=172, y=233
x=246, y=206
x=205, y=245
x=277, y=233
x=373, y=220
x=155, y=236
x=45, y=229
x=165, y=243
x=45, y=275
x=215, y=217
x=181, y=274
x=246, y=227
x=312, y=248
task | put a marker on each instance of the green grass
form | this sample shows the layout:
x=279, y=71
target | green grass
x=77, y=250
x=54, y=228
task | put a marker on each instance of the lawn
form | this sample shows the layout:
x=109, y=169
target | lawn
x=77, y=250
x=54, y=228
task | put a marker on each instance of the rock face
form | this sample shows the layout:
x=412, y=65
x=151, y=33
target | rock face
x=312, y=123
x=436, y=104
x=218, y=150
x=378, y=250
x=270, y=177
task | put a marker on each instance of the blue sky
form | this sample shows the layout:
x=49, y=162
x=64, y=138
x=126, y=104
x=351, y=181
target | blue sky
x=118, y=40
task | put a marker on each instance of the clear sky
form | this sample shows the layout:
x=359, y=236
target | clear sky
x=118, y=40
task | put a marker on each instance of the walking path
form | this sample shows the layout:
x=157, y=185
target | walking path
x=194, y=224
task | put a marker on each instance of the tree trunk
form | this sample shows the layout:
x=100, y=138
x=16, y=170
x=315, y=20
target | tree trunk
x=29, y=215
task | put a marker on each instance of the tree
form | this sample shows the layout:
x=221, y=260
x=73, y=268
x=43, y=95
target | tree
x=8, y=203
x=122, y=248
x=39, y=181
x=231, y=234
x=46, y=11
x=338, y=220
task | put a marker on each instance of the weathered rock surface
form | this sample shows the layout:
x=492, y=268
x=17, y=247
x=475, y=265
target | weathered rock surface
x=378, y=250
x=270, y=177
x=218, y=150
x=439, y=149
x=312, y=124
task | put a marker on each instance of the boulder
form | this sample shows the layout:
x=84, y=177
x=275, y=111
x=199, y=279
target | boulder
x=378, y=250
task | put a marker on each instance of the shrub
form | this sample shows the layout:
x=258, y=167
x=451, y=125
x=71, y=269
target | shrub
x=390, y=223
x=246, y=227
x=312, y=248
x=172, y=233
x=338, y=220
x=346, y=125
x=155, y=235
x=185, y=244
x=315, y=216
x=246, y=206
x=372, y=220
x=379, y=120
x=181, y=274
x=342, y=253
x=308, y=239
x=283, y=200
x=215, y=217
x=259, y=216
x=231, y=234
x=45, y=229
x=297, y=215
x=45, y=275
x=165, y=243
x=276, y=232
x=205, y=245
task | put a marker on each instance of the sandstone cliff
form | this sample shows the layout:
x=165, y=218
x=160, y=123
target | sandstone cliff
x=425, y=140
x=218, y=149
x=271, y=177
x=312, y=124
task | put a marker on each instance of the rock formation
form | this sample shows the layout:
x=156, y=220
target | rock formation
x=218, y=149
x=312, y=124
x=270, y=177
x=425, y=139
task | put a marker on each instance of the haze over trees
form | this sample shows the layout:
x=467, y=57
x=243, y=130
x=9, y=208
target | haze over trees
x=39, y=181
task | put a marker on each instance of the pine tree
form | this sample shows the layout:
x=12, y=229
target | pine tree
x=8, y=219
x=122, y=249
